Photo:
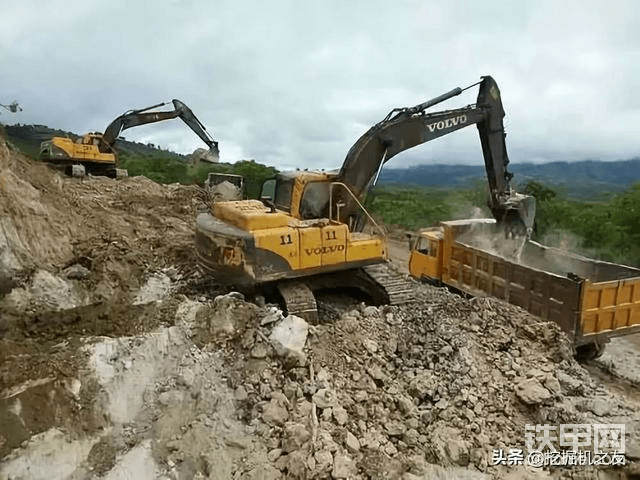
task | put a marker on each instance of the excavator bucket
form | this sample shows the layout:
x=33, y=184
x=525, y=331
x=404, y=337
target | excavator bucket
x=214, y=153
x=518, y=214
x=527, y=210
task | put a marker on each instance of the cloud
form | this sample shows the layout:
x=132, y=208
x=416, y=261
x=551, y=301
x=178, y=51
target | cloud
x=295, y=84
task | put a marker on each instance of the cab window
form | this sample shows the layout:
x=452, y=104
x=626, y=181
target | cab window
x=268, y=188
x=284, y=189
x=427, y=246
x=315, y=200
x=423, y=246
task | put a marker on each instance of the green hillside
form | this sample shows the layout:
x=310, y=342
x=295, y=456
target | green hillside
x=604, y=229
x=160, y=165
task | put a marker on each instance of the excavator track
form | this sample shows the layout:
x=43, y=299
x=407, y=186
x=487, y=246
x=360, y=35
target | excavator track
x=380, y=282
x=299, y=300
x=399, y=289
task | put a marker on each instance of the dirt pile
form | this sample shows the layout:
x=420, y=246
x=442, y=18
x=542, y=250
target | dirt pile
x=79, y=258
x=422, y=391
x=90, y=240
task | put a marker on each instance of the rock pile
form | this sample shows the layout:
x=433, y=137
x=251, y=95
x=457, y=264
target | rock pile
x=237, y=389
x=392, y=391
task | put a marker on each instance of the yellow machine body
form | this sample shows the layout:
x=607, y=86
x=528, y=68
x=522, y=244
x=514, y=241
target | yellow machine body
x=83, y=150
x=249, y=239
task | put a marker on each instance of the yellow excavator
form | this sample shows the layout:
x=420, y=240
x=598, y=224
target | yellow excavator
x=94, y=152
x=311, y=231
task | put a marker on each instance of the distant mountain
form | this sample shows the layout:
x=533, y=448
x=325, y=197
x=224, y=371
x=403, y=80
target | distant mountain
x=582, y=179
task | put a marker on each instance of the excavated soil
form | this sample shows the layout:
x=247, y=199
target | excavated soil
x=120, y=359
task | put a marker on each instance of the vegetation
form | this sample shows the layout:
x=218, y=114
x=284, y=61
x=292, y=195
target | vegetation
x=415, y=207
x=159, y=168
x=608, y=229
x=601, y=222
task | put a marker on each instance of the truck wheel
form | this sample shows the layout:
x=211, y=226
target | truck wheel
x=590, y=351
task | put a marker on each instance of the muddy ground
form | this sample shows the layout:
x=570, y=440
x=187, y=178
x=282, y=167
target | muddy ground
x=119, y=358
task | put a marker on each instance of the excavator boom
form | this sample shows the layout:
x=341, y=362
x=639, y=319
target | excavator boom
x=135, y=118
x=388, y=138
x=405, y=128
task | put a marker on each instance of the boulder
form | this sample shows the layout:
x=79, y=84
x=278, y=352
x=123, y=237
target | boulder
x=531, y=392
x=289, y=337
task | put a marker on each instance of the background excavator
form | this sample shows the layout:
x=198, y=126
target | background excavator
x=311, y=230
x=94, y=153
x=13, y=107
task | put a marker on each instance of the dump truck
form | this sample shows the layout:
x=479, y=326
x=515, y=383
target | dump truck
x=590, y=300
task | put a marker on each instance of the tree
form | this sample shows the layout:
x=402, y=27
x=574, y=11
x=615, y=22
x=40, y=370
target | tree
x=541, y=192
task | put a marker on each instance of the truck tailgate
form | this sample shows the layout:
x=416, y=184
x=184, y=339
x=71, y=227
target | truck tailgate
x=610, y=306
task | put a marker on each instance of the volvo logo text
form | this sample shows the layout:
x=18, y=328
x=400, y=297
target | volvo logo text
x=449, y=122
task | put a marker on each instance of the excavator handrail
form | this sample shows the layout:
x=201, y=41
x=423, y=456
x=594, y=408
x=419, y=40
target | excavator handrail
x=331, y=185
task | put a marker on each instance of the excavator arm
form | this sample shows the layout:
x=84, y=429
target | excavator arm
x=388, y=138
x=134, y=118
x=405, y=128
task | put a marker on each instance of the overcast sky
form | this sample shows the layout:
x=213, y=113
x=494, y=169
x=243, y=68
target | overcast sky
x=294, y=84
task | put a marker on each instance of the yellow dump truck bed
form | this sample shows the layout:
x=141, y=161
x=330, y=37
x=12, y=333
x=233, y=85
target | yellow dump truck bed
x=589, y=299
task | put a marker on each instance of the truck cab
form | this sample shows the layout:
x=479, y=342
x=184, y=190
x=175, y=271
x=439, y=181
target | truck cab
x=433, y=248
x=425, y=260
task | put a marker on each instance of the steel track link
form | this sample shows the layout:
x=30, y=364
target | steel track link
x=399, y=289
x=299, y=300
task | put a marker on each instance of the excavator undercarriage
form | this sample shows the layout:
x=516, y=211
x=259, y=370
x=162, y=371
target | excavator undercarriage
x=379, y=283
